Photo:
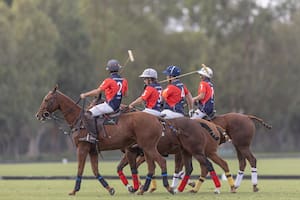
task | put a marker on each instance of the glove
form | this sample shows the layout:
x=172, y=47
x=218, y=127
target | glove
x=191, y=112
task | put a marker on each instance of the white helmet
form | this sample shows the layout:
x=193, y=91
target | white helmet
x=206, y=71
x=149, y=73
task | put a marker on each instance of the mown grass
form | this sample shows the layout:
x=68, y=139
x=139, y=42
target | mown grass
x=91, y=189
x=274, y=166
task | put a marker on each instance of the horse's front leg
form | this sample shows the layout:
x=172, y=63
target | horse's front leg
x=151, y=156
x=94, y=163
x=82, y=151
x=131, y=157
x=120, y=167
x=187, y=160
x=178, y=168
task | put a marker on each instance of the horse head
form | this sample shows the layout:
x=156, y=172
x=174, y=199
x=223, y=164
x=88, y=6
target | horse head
x=48, y=105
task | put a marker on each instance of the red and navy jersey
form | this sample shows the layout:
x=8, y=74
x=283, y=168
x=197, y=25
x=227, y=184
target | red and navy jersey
x=207, y=103
x=174, y=96
x=114, y=87
x=152, y=96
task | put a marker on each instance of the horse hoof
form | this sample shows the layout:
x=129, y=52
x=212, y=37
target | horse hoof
x=217, y=191
x=141, y=192
x=232, y=189
x=171, y=190
x=131, y=189
x=152, y=190
x=193, y=191
x=111, y=191
x=192, y=184
x=72, y=193
x=255, y=188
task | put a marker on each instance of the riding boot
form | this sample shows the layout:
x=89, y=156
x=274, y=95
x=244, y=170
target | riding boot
x=90, y=124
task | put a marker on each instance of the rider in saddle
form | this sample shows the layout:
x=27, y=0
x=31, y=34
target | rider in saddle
x=175, y=94
x=152, y=93
x=205, y=97
x=114, y=87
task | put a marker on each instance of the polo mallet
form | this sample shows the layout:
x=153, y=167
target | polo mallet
x=130, y=57
x=205, y=68
x=186, y=74
x=182, y=75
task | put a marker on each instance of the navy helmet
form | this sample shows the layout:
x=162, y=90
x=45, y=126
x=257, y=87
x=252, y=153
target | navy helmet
x=172, y=71
x=113, y=65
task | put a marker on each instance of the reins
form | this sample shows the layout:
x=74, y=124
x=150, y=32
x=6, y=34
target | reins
x=59, y=120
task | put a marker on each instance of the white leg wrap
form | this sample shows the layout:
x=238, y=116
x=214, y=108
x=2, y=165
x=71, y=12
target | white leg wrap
x=181, y=174
x=254, y=176
x=175, y=180
x=238, y=179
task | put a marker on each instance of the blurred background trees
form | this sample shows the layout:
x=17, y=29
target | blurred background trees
x=252, y=48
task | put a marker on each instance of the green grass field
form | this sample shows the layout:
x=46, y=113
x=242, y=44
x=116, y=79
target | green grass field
x=91, y=189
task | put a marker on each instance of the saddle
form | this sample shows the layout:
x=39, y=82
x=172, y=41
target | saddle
x=96, y=124
x=109, y=118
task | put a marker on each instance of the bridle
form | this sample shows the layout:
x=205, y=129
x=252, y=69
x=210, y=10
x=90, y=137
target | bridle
x=59, y=121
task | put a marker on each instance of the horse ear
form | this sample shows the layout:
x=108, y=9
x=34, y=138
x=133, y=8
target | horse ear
x=55, y=88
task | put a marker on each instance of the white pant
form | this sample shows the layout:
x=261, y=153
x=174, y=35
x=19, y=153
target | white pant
x=152, y=112
x=198, y=114
x=101, y=109
x=171, y=114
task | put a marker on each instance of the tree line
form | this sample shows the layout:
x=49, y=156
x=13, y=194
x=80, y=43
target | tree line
x=252, y=48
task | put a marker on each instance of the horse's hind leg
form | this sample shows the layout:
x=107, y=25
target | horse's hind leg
x=94, y=163
x=223, y=164
x=242, y=166
x=246, y=152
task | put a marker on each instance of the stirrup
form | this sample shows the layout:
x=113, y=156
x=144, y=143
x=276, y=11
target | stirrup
x=89, y=138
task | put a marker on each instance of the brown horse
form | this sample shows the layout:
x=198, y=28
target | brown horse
x=190, y=140
x=241, y=130
x=132, y=128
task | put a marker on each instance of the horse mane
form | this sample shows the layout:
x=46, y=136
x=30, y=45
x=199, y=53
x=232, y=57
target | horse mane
x=67, y=97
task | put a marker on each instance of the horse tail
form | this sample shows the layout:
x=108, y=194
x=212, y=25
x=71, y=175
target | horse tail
x=268, y=126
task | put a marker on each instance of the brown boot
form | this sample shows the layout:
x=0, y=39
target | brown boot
x=90, y=124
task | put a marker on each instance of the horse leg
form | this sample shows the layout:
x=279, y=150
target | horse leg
x=252, y=160
x=153, y=185
x=213, y=176
x=187, y=160
x=242, y=166
x=223, y=164
x=202, y=161
x=131, y=157
x=178, y=168
x=151, y=156
x=120, y=167
x=82, y=151
x=94, y=163
x=163, y=165
x=151, y=170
